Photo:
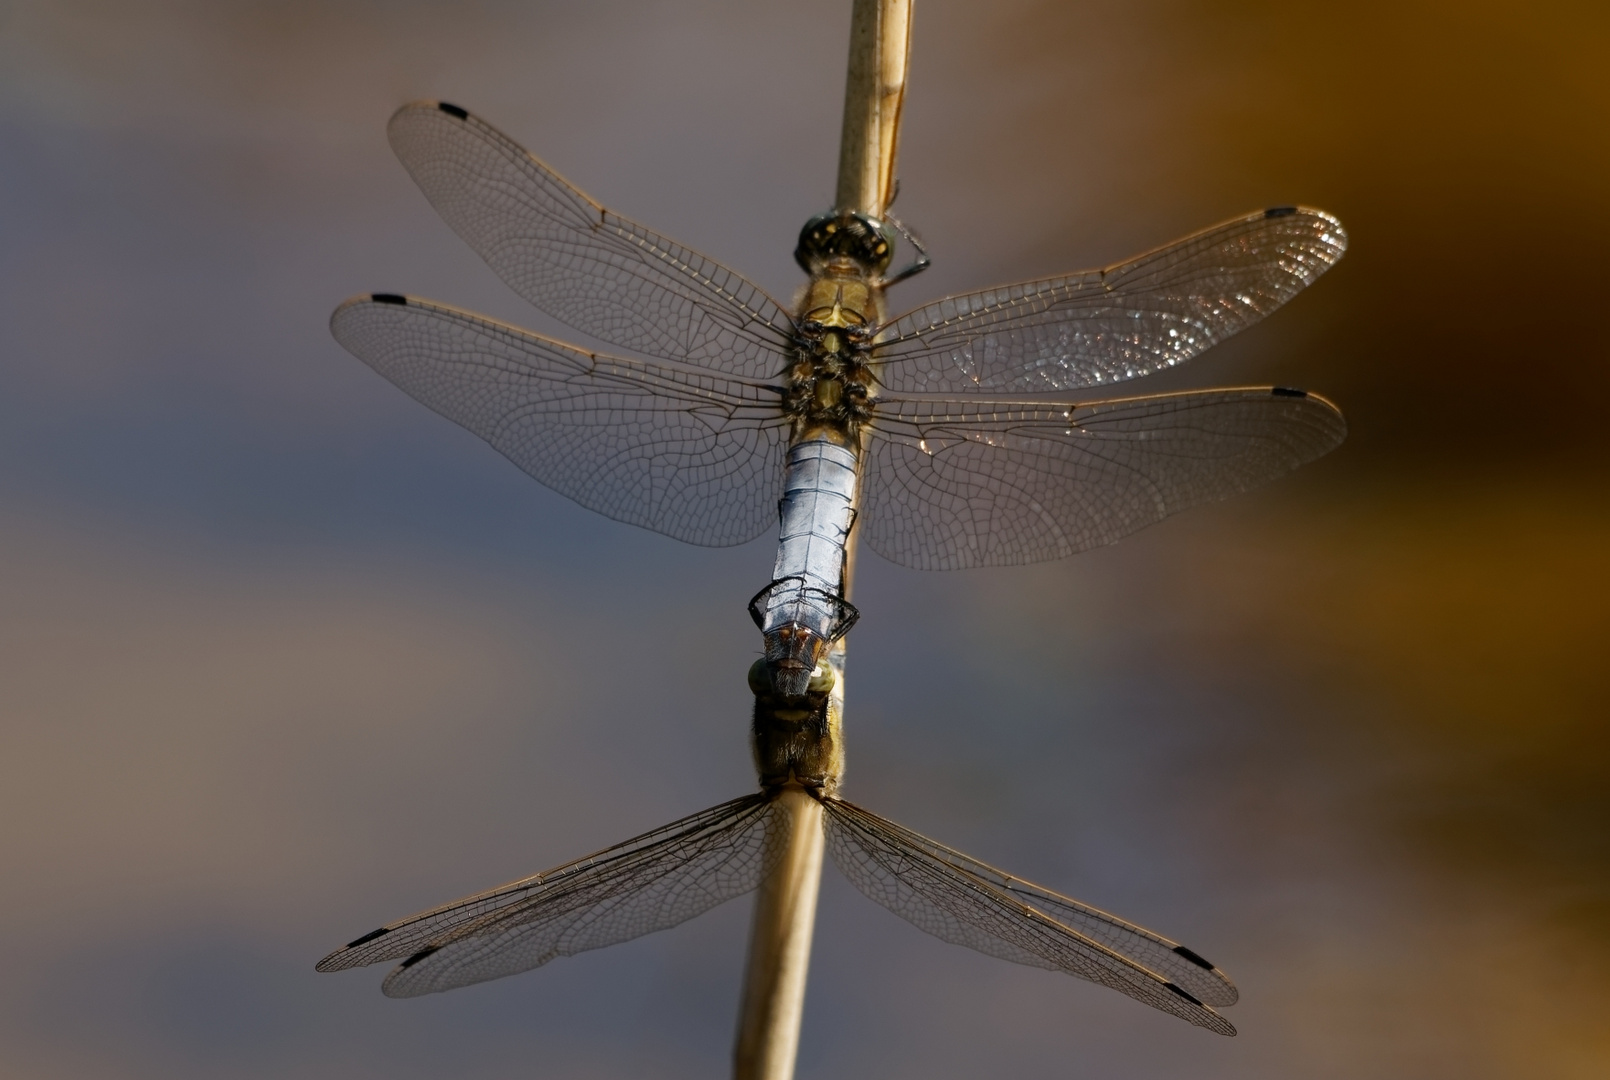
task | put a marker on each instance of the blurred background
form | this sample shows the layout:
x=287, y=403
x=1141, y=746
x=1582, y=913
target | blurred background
x=285, y=655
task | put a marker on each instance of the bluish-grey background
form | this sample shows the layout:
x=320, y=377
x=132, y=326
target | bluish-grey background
x=284, y=655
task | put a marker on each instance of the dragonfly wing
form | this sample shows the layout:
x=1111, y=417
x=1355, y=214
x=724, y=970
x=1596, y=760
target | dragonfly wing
x=1101, y=326
x=965, y=902
x=955, y=483
x=651, y=883
x=592, y=269
x=1187, y=970
x=680, y=450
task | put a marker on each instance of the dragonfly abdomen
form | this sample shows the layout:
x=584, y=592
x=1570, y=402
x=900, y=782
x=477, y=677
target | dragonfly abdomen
x=803, y=610
x=817, y=512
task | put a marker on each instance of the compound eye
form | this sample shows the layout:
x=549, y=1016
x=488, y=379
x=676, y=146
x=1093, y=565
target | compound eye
x=822, y=679
x=760, y=678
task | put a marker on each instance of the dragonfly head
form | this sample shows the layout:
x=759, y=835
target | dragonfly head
x=798, y=622
x=793, y=654
x=820, y=682
x=844, y=234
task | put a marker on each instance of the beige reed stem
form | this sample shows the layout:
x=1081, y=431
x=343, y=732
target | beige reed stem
x=785, y=910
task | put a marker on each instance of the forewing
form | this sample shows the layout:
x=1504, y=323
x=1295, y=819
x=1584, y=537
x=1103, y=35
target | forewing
x=650, y=883
x=954, y=483
x=680, y=450
x=592, y=269
x=962, y=901
x=1101, y=326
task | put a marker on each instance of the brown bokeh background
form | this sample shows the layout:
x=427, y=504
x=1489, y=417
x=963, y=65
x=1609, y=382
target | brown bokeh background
x=285, y=655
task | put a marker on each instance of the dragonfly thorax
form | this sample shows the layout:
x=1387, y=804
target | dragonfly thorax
x=839, y=311
x=827, y=392
x=797, y=739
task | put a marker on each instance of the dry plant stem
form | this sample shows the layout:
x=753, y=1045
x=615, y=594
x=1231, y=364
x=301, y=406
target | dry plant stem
x=780, y=948
x=875, y=90
x=785, y=910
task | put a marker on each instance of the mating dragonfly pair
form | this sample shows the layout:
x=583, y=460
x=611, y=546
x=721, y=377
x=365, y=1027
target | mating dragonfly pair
x=945, y=436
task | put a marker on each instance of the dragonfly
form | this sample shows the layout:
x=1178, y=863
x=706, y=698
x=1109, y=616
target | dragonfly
x=975, y=430
x=939, y=435
x=665, y=877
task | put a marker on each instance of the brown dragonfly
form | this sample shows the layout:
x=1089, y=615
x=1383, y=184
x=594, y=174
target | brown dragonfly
x=960, y=434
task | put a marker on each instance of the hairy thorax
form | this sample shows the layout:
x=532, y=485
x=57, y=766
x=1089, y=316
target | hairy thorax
x=830, y=382
x=797, y=740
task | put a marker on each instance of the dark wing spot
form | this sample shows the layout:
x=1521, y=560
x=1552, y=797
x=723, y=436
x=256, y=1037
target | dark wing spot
x=370, y=936
x=1192, y=957
x=422, y=953
x=389, y=298
x=453, y=110
x=1273, y=211
x=1286, y=391
x=1170, y=985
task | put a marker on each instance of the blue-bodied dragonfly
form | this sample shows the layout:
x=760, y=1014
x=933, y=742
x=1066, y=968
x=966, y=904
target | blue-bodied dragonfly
x=959, y=434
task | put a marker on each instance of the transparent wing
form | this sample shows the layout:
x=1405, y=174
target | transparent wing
x=954, y=483
x=651, y=883
x=1101, y=326
x=965, y=902
x=594, y=270
x=680, y=450
x=1179, y=965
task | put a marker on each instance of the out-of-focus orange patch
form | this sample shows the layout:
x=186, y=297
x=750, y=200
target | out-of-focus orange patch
x=1482, y=613
x=1462, y=633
